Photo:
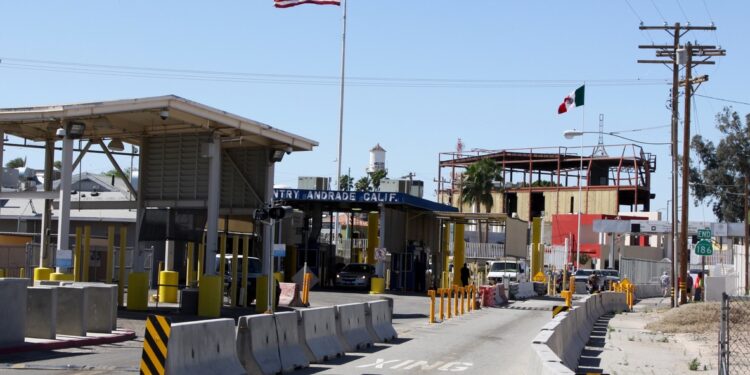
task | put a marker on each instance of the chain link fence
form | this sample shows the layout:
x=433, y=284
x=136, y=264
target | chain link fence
x=734, y=336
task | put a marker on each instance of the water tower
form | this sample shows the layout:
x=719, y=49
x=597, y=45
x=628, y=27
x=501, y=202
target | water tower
x=377, y=159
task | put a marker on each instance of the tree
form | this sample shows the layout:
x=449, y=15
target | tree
x=363, y=184
x=346, y=182
x=720, y=176
x=478, y=184
x=16, y=163
x=376, y=177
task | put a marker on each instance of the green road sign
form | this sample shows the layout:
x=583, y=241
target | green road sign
x=704, y=234
x=704, y=247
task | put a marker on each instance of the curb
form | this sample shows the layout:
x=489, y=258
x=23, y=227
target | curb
x=120, y=336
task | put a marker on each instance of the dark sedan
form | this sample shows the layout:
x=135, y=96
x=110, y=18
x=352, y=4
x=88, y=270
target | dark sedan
x=355, y=275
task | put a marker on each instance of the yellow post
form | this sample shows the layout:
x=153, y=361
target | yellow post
x=110, y=254
x=42, y=273
x=209, y=296
x=222, y=263
x=189, y=273
x=462, y=290
x=445, y=279
x=449, y=291
x=235, y=257
x=537, y=261
x=168, y=286
x=245, y=261
x=77, y=255
x=121, y=277
x=458, y=252
x=372, y=236
x=441, y=291
x=138, y=291
x=201, y=260
x=566, y=294
x=86, y=252
x=469, y=294
x=307, y=279
x=572, y=285
x=431, y=293
x=22, y=273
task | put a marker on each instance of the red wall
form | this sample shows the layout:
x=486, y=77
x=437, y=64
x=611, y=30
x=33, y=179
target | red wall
x=566, y=226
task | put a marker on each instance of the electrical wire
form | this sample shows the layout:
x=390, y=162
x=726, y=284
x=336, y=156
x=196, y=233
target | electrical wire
x=645, y=34
x=658, y=11
x=722, y=100
x=291, y=79
x=682, y=11
x=640, y=129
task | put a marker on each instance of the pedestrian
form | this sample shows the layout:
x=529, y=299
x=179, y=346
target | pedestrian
x=689, y=286
x=465, y=275
x=698, y=287
x=665, y=283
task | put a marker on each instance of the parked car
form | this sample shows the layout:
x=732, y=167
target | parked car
x=355, y=275
x=608, y=277
x=510, y=269
x=254, y=270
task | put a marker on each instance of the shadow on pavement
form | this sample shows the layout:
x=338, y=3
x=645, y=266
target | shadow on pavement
x=33, y=356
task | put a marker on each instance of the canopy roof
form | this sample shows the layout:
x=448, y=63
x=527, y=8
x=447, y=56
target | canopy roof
x=131, y=120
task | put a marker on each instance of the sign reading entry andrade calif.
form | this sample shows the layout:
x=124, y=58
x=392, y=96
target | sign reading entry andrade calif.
x=336, y=196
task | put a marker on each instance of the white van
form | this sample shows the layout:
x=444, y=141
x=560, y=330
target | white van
x=511, y=269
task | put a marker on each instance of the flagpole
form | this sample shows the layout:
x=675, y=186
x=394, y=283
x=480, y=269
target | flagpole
x=341, y=102
x=580, y=184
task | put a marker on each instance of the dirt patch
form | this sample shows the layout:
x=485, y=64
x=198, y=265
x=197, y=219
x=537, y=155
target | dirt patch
x=697, y=318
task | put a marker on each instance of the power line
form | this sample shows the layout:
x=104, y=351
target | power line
x=658, y=11
x=722, y=100
x=294, y=79
x=682, y=11
x=645, y=34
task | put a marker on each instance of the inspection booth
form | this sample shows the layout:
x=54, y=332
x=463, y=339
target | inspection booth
x=199, y=167
x=404, y=225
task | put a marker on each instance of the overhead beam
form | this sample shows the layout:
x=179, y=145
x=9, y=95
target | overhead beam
x=244, y=178
x=118, y=169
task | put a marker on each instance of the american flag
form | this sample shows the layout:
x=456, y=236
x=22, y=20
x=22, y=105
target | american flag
x=292, y=3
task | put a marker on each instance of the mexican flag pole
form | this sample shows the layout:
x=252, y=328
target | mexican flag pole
x=574, y=99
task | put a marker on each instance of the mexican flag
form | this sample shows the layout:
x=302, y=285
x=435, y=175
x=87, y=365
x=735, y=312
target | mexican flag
x=574, y=99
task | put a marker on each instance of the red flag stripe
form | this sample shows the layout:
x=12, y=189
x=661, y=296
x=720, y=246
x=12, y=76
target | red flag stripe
x=292, y=3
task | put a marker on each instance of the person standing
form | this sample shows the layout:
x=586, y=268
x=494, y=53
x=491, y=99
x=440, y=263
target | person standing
x=698, y=287
x=689, y=286
x=665, y=283
x=465, y=275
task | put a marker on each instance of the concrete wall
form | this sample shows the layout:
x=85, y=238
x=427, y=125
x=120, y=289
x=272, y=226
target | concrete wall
x=642, y=252
x=71, y=310
x=12, y=311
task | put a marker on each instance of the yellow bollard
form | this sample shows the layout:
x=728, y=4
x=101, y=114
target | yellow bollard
x=431, y=293
x=462, y=290
x=86, y=252
x=168, y=286
x=121, y=278
x=566, y=295
x=42, y=273
x=572, y=284
x=305, y=282
x=471, y=298
x=77, y=255
x=441, y=291
x=235, y=257
x=209, y=296
x=138, y=291
x=22, y=273
x=450, y=306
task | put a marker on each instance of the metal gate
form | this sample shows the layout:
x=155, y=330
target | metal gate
x=734, y=336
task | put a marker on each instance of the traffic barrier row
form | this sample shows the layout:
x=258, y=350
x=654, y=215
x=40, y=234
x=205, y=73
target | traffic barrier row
x=461, y=300
x=284, y=342
x=290, y=295
x=558, y=345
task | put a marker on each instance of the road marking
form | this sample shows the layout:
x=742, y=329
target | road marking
x=410, y=364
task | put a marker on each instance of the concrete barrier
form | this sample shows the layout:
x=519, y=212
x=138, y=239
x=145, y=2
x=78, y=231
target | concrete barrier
x=290, y=295
x=257, y=344
x=41, y=312
x=318, y=334
x=351, y=327
x=525, y=290
x=557, y=347
x=71, y=310
x=12, y=311
x=290, y=349
x=101, y=307
x=203, y=347
x=379, y=321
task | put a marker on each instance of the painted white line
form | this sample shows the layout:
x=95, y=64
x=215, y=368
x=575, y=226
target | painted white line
x=418, y=365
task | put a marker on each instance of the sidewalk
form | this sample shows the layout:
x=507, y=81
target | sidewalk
x=620, y=344
x=64, y=341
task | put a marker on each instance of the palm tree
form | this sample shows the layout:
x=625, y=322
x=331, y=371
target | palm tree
x=376, y=177
x=477, y=186
x=346, y=182
x=363, y=184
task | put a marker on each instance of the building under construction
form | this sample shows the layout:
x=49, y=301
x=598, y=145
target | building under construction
x=551, y=179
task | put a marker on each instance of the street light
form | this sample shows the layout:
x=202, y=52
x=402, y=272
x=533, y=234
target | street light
x=570, y=134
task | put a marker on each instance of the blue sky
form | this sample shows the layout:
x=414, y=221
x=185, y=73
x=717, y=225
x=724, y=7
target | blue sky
x=548, y=48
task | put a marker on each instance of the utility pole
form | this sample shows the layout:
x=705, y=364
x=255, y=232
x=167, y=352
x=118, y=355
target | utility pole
x=681, y=55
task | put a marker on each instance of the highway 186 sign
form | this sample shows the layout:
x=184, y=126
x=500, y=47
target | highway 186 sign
x=704, y=247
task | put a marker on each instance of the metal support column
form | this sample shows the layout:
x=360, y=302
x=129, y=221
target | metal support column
x=63, y=222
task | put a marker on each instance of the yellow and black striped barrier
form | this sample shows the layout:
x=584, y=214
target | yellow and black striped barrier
x=154, y=356
x=558, y=309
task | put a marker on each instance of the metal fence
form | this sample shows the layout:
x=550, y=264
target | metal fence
x=641, y=271
x=555, y=256
x=734, y=336
x=477, y=250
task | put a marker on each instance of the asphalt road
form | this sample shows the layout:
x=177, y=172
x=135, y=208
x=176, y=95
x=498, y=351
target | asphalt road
x=485, y=341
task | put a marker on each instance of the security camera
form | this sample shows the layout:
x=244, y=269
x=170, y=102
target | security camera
x=288, y=150
x=60, y=133
x=164, y=114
